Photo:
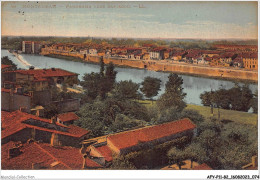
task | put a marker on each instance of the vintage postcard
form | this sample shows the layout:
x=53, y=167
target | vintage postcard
x=102, y=86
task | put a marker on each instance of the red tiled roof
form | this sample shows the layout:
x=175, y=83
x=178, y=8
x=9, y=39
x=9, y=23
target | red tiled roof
x=13, y=122
x=42, y=74
x=67, y=158
x=30, y=154
x=203, y=166
x=5, y=90
x=3, y=66
x=105, y=152
x=134, y=137
x=70, y=116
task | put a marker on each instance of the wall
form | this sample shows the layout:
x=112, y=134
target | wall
x=14, y=102
x=68, y=105
x=178, y=68
x=41, y=97
x=22, y=136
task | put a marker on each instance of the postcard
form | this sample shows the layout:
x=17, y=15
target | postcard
x=168, y=88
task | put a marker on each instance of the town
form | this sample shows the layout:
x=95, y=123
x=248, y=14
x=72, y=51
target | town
x=168, y=90
x=44, y=120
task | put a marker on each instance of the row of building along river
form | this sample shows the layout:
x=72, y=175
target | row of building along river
x=193, y=86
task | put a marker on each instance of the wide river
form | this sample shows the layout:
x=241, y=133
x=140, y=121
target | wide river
x=193, y=86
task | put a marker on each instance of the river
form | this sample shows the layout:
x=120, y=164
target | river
x=193, y=86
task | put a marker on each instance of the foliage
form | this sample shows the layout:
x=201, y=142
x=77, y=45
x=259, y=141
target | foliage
x=5, y=60
x=126, y=90
x=111, y=115
x=174, y=95
x=150, y=86
x=121, y=163
x=238, y=98
x=99, y=84
x=193, y=115
x=254, y=102
x=50, y=111
x=153, y=156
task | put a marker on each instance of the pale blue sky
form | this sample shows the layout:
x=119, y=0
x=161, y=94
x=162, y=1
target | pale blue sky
x=206, y=20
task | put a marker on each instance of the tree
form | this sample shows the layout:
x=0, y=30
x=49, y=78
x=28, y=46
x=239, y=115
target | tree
x=151, y=87
x=254, y=102
x=174, y=95
x=194, y=115
x=51, y=111
x=121, y=163
x=177, y=156
x=5, y=60
x=206, y=98
x=102, y=66
x=91, y=82
x=99, y=84
x=126, y=90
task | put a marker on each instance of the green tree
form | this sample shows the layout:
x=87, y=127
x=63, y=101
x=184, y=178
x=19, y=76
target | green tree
x=126, y=90
x=254, y=102
x=151, y=87
x=102, y=66
x=174, y=95
x=121, y=163
x=177, y=156
x=51, y=111
x=5, y=60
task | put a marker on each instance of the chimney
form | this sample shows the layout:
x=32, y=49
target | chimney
x=84, y=164
x=254, y=161
x=54, y=119
x=23, y=109
x=54, y=139
x=31, y=68
x=53, y=69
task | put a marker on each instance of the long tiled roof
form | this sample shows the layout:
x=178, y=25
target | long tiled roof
x=41, y=74
x=134, y=137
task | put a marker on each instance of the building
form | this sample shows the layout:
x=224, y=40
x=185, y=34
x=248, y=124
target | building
x=250, y=61
x=20, y=126
x=67, y=118
x=27, y=47
x=36, y=47
x=34, y=155
x=12, y=100
x=40, y=79
x=125, y=142
x=6, y=67
x=157, y=53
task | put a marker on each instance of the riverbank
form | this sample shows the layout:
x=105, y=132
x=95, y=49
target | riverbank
x=228, y=74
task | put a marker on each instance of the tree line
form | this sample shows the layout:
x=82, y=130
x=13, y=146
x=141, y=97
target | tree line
x=239, y=98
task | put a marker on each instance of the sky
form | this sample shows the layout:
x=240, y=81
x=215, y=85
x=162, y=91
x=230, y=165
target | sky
x=191, y=20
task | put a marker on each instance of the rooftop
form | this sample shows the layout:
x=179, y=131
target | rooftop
x=42, y=74
x=13, y=122
x=46, y=156
x=146, y=134
x=3, y=66
x=70, y=116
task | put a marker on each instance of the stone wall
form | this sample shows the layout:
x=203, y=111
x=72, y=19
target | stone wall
x=177, y=68
x=13, y=102
x=68, y=105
